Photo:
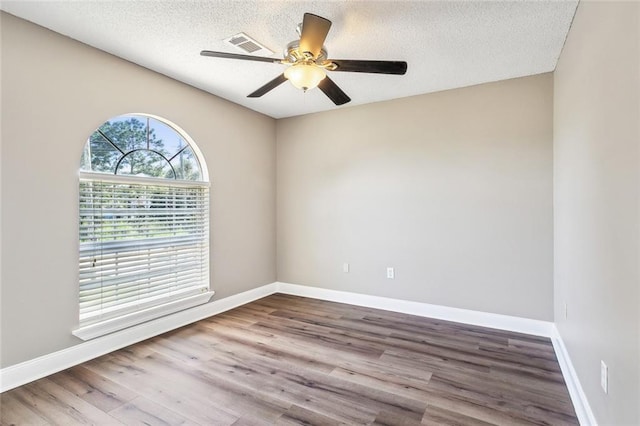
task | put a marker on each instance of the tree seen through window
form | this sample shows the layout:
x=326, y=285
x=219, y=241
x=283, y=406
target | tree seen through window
x=140, y=146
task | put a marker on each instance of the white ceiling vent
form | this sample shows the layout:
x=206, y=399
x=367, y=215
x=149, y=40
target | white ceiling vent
x=246, y=44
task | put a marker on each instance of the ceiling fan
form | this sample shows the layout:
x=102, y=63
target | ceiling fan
x=307, y=62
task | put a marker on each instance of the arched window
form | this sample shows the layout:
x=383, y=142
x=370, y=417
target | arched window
x=143, y=224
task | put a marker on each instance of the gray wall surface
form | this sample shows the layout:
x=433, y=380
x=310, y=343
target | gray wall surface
x=597, y=211
x=452, y=189
x=55, y=93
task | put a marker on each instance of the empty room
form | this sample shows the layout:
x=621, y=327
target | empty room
x=328, y=213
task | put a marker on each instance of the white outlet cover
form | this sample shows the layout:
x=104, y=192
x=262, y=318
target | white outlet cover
x=604, y=377
x=390, y=273
x=345, y=267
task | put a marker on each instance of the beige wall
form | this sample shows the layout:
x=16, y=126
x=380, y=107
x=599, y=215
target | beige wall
x=597, y=196
x=453, y=189
x=55, y=92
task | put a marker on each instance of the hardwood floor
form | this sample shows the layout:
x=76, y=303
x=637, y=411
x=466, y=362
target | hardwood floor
x=291, y=360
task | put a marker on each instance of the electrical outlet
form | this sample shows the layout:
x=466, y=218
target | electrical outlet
x=345, y=268
x=604, y=377
x=391, y=274
x=566, y=311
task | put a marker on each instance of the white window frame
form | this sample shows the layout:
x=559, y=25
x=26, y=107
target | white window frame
x=106, y=322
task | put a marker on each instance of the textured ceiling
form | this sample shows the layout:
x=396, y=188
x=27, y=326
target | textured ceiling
x=446, y=44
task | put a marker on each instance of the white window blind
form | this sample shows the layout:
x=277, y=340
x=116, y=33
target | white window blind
x=143, y=243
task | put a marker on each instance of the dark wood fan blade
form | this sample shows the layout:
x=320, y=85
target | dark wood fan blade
x=333, y=92
x=376, y=67
x=235, y=56
x=314, y=31
x=268, y=87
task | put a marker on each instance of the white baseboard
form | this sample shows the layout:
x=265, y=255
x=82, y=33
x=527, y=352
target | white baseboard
x=578, y=397
x=484, y=319
x=28, y=371
x=25, y=372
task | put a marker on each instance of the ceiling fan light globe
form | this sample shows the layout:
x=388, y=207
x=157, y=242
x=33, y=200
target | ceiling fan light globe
x=305, y=76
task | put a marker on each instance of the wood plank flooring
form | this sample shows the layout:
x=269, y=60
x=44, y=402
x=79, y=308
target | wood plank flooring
x=289, y=360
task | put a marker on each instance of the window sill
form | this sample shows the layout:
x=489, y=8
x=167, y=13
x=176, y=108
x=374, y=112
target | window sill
x=114, y=324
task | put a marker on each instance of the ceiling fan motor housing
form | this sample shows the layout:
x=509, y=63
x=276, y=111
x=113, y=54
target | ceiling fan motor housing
x=293, y=54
